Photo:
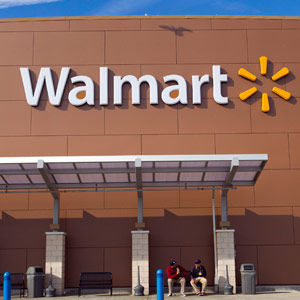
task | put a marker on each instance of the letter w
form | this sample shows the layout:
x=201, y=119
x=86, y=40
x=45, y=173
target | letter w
x=33, y=97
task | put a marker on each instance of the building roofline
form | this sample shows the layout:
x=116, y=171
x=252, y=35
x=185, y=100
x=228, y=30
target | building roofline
x=151, y=17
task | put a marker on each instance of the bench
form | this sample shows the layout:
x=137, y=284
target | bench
x=188, y=280
x=17, y=282
x=95, y=280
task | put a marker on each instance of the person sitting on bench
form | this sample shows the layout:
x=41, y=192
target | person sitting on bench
x=198, y=273
x=176, y=273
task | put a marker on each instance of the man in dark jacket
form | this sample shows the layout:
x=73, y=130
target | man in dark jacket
x=198, y=273
x=176, y=273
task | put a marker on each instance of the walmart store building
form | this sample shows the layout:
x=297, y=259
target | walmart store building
x=117, y=134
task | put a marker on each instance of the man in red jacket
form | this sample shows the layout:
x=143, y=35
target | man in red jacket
x=176, y=273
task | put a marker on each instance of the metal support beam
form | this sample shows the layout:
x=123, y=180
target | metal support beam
x=233, y=168
x=227, y=183
x=216, y=279
x=139, y=185
x=42, y=167
x=224, y=207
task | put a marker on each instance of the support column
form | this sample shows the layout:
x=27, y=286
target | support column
x=55, y=258
x=226, y=256
x=140, y=257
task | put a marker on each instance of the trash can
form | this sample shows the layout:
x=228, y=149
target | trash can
x=248, y=281
x=35, y=282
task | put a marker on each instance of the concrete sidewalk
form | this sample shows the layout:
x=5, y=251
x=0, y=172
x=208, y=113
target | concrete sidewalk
x=262, y=293
x=210, y=296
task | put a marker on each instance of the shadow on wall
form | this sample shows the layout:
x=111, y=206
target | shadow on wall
x=179, y=31
x=271, y=242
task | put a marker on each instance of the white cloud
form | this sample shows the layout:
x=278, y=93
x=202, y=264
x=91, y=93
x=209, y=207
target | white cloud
x=123, y=7
x=11, y=3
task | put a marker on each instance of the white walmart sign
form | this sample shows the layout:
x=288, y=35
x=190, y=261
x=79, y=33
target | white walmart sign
x=55, y=96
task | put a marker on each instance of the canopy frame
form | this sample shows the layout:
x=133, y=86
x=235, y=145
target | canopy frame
x=138, y=173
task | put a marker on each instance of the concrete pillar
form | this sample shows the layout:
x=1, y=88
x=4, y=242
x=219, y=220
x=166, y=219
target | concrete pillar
x=140, y=257
x=55, y=258
x=226, y=256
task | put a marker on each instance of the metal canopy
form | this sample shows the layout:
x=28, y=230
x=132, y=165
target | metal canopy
x=143, y=172
x=138, y=172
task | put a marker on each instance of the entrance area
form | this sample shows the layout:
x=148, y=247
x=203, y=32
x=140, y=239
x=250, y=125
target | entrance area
x=59, y=176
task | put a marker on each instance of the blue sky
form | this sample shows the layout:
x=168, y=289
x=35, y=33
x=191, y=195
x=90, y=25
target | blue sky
x=52, y=8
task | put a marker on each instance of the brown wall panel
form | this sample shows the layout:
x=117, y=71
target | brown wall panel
x=113, y=213
x=151, y=199
x=56, y=48
x=36, y=257
x=294, y=145
x=118, y=261
x=33, y=146
x=211, y=117
x=296, y=218
x=227, y=24
x=274, y=258
x=136, y=47
x=13, y=201
x=265, y=42
x=30, y=214
x=245, y=255
x=104, y=145
x=290, y=24
x=292, y=84
x=262, y=226
x=212, y=47
x=16, y=48
x=11, y=83
x=40, y=201
x=102, y=228
x=154, y=212
x=103, y=213
x=96, y=25
x=241, y=197
x=121, y=199
x=178, y=144
x=80, y=260
x=160, y=258
x=178, y=225
x=67, y=120
x=24, y=229
x=13, y=260
x=179, y=26
x=275, y=145
x=154, y=199
x=144, y=119
x=14, y=118
x=197, y=198
x=90, y=200
x=277, y=188
x=44, y=25
x=283, y=116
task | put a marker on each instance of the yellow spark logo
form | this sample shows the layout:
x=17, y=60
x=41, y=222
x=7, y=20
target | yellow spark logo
x=265, y=107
